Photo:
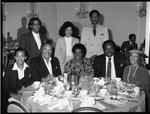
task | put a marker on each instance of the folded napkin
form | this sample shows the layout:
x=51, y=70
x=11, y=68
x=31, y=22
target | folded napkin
x=46, y=100
x=62, y=103
x=59, y=86
x=40, y=92
x=87, y=101
x=38, y=96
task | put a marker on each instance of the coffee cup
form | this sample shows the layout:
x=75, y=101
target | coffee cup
x=83, y=93
x=118, y=80
x=68, y=94
x=103, y=92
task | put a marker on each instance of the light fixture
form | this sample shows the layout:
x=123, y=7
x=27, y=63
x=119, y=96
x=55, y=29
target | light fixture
x=141, y=9
x=33, y=12
x=83, y=12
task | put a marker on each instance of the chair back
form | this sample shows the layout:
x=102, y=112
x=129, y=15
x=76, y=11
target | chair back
x=87, y=109
x=15, y=106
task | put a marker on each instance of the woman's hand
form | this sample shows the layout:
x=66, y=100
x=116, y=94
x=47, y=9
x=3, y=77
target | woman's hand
x=21, y=90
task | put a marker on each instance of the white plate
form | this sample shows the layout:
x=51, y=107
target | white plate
x=120, y=100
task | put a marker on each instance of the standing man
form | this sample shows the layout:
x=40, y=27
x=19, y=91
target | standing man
x=94, y=35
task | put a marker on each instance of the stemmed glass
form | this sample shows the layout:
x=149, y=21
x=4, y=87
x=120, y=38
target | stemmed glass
x=129, y=89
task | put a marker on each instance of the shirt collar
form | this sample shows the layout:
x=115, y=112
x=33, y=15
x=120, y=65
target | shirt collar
x=112, y=57
x=50, y=58
x=35, y=33
x=15, y=67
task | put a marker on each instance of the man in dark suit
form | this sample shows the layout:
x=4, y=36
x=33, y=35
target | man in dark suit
x=46, y=65
x=130, y=44
x=117, y=61
x=32, y=40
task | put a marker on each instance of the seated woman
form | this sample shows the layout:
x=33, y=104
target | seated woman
x=17, y=77
x=137, y=74
x=79, y=66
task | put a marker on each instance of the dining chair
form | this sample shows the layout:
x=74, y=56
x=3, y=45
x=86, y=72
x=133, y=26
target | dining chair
x=14, y=106
x=87, y=109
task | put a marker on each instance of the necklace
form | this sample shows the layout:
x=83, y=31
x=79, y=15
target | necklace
x=130, y=72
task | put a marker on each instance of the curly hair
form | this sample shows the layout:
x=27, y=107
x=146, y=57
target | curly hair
x=65, y=26
x=31, y=21
x=81, y=47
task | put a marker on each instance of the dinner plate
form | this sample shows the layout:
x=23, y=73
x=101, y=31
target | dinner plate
x=112, y=100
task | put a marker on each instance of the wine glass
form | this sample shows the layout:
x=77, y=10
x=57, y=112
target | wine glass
x=114, y=91
x=129, y=89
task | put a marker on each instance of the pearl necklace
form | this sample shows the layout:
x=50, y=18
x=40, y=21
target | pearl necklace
x=130, y=72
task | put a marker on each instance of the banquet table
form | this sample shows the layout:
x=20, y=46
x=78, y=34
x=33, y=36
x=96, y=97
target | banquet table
x=132, y=105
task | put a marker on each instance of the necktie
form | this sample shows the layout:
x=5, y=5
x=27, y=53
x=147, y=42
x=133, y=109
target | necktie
x=109, y=68
x=94, y=30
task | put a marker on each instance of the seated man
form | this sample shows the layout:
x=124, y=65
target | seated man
x=46, y=65
x=117, y=62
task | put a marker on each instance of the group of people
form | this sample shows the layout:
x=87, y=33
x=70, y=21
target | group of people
x=89, y=56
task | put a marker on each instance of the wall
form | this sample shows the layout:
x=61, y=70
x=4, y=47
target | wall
x=119, y=17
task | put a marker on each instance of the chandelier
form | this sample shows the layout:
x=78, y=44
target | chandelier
x=82, y=13
x=32, y=13
x=141, y=9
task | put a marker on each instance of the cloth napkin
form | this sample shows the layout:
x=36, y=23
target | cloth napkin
x=87, y=101
x=38, y=95
x=40, y=92
x=62, y=103
x=59, y=86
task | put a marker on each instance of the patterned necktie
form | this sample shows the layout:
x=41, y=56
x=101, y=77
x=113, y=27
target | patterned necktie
x=94, y=30
x=109, y=68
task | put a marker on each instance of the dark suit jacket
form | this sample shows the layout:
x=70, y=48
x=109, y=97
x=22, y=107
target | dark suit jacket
x=11, y=83
x=99, y=65
x=39, y=66
x=126, y=44
x=28, y=42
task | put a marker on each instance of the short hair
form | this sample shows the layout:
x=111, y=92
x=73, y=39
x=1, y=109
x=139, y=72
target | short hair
x=45, y=43
x=131, y=35
x=94, y=11
x=81, y=47
x=111, y=42
x=22, y=50
x=65, y=26
x=31, y=22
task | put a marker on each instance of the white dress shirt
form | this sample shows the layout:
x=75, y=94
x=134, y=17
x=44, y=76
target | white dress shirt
x=48, y=65
x=37, y=39
x=20, y=72
x=69, y=46
x=113, y=71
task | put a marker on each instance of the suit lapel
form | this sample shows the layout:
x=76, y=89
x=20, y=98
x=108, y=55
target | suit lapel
x=33, y=42
x=43, y=65
x=104, y=63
